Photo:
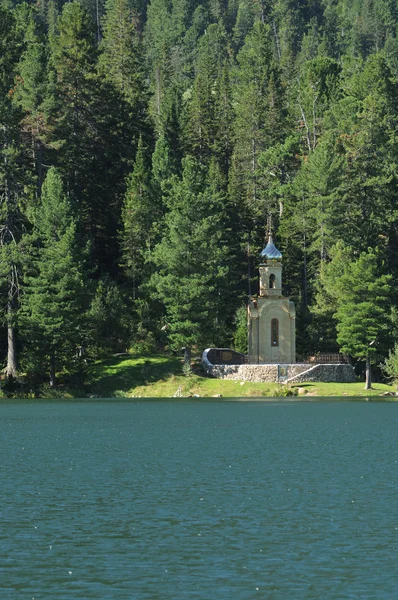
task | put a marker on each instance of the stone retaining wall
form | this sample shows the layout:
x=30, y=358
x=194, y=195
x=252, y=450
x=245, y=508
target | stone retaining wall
x=337, y=373
x=287, y=373
x=245, y=372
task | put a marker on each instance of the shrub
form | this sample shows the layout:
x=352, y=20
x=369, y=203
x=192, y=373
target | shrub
x=390, y=365
x=240, y=336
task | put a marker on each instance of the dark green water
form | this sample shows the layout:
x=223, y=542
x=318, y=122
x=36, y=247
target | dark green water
x=206, y=500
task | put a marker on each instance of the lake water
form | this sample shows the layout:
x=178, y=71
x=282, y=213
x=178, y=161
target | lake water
x=176, y=500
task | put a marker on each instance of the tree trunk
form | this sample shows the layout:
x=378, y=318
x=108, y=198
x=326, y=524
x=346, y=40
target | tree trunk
x=52, y=370
x=305, y=273
x=368, y=384
x=187, y=358
x=11, y=369
x=98, y=22
x=249, y=275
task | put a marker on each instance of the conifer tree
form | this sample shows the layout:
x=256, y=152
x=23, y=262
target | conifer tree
x=73, y=58
x=12, y=180
x=260, y=122
x=317, y=88
x=159, y=39
x=223, y=116
x=163, y=165
x=32, y=94
x=202, y=133
x=92, y=140
x=139, y=214
x=250, y=100
x=108, y=320
x=246, y=15
x=288, y=30
x=191, y=262
x=121, y=61
x=55, y=296
x=360, y=293
x=366, y=121
x=390, y=365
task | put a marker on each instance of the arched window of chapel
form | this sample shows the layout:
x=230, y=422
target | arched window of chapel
x=274, y=332
x=272, y=281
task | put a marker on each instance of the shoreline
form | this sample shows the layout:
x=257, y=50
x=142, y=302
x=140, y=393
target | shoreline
x=159, y=376
x=188, y=399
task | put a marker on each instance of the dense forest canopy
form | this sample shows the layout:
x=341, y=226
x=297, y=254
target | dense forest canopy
x=144, y=148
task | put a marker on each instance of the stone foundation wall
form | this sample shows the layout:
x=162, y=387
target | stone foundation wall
x=338, y=373
x=287, y=373
x=245, y=372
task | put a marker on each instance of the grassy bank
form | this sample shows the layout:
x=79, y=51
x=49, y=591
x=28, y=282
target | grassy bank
x=161, y=376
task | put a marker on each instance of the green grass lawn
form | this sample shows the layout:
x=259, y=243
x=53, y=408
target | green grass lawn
x=138, y=376
x=161, y=376
x=342, y=389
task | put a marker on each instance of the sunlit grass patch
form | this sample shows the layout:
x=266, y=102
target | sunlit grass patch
x=160, y=376
x=342, y=389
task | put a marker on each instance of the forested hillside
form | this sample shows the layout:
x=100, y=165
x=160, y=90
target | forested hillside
x=146, y=145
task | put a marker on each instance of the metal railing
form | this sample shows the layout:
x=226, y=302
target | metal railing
x=323, y=358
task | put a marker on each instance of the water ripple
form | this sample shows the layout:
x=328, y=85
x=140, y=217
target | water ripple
x=151, y=500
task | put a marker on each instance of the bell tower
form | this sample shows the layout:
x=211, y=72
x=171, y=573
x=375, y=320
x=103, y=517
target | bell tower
x=271, y=316
x=270, y=270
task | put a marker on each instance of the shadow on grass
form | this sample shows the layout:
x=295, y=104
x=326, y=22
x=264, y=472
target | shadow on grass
x=124, y=373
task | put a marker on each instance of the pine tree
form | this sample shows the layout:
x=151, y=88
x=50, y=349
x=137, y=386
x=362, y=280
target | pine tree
x=73, y=59
x=32, y=94
x=91, y=138
x=260, y=123
x=250, y=101
x=12, y=179
x=248, y=12
x=317, y=88
x=55, y=296
x=390, y=365
x=191, y=262
x=360, y=294
x=159, y=39
x=202, y=126
x=223, y=117
x=140, y=214
x=121, y=61
x=107, y=320
x=288, y=29
x=163, y=165
x=364, y=125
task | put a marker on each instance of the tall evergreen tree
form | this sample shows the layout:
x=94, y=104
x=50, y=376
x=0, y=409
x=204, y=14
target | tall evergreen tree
x=159, y=39
x=364, y=123
x=55, y=296
x=121, y=61
x=316, y=90
x=250, y=100
x=12, y=179
x=288, y=30
x=33, y=94
x=192, y=261
x=360, y=292
x=202, y=127
x=141, y=211
x=260, y=122
x=92, y=141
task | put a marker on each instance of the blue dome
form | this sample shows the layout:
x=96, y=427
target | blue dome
x=270, y=251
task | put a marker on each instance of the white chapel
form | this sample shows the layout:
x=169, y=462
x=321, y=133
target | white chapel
x=272, y=316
